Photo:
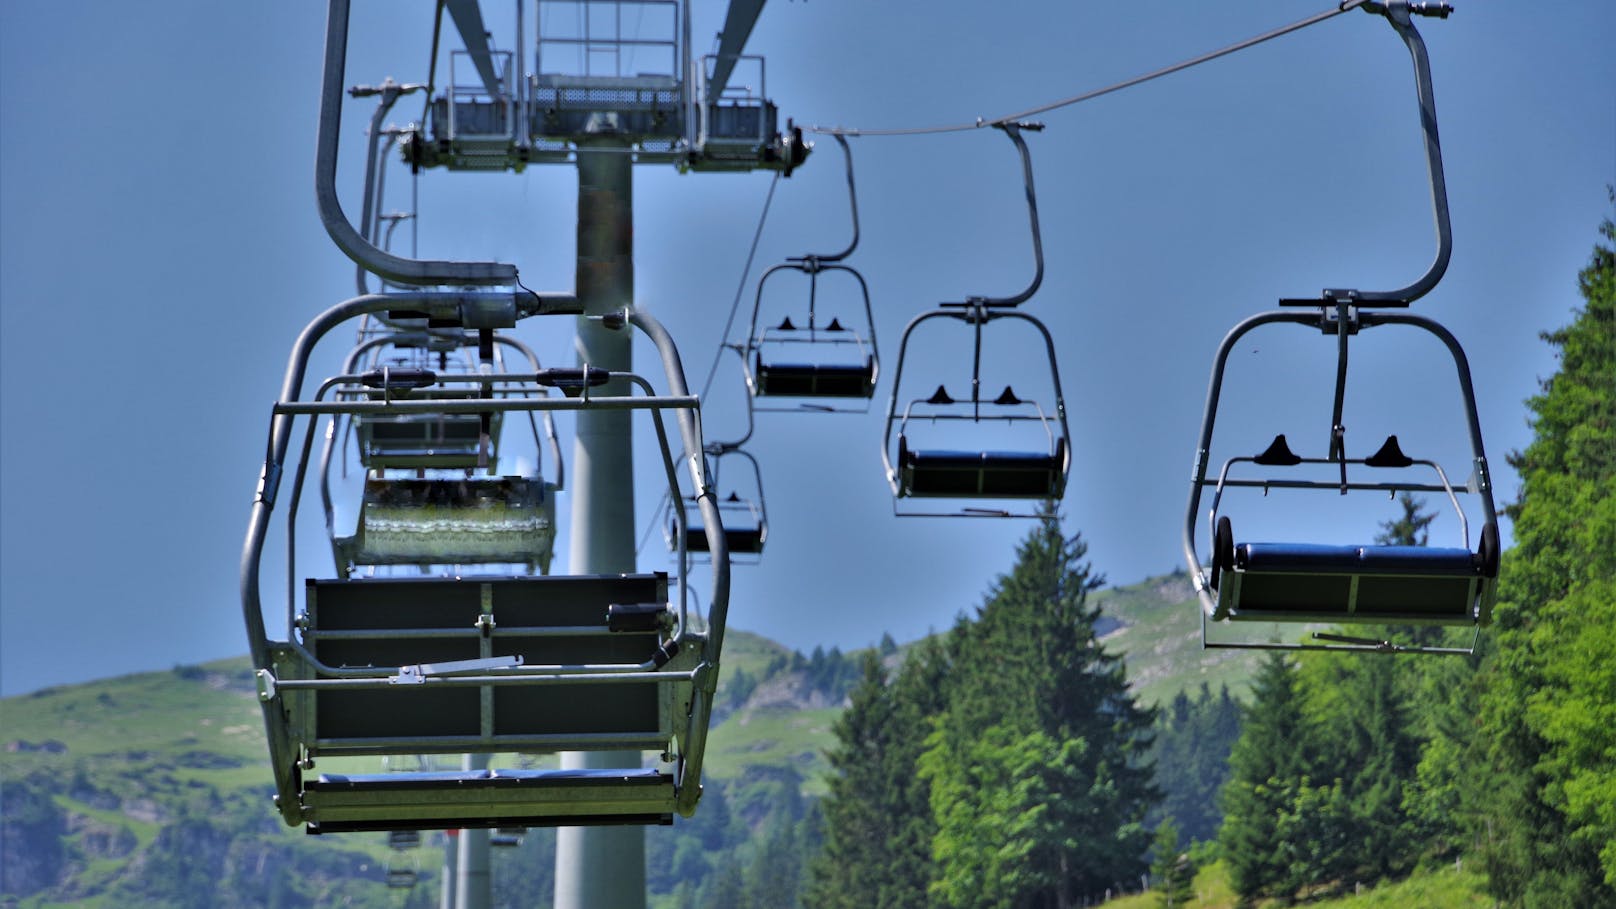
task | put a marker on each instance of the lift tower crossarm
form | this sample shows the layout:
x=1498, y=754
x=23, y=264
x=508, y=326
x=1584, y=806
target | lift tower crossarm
x=468, y=19
x=738, y=22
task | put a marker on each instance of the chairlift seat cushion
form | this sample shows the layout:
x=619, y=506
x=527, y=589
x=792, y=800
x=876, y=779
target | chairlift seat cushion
x=1393, y=560
x=474, y=520
x=982, y=474
x=816, y=380
x=487, y=798
x=741, y=540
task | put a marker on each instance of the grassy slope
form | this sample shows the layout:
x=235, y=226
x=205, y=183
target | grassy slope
x=138, y=747
x=1161, y=636
x=203, y=723
x=142, y=750
x=1443, y=888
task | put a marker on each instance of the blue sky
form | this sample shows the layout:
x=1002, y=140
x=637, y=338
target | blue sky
x=159, y=250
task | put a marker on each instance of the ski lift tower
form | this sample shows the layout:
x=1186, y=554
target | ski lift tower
x=609, y=83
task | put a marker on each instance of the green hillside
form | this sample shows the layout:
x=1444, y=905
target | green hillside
x=1160, y=633
x=1440, y=888
x=115, y=791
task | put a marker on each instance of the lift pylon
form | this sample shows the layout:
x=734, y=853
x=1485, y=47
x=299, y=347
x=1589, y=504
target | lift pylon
x=596, y=71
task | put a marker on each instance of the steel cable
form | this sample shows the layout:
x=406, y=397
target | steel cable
x=1099, y=92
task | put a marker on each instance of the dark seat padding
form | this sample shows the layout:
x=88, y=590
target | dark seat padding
x=989, y=474
x=816, y=380
x=1371, y=560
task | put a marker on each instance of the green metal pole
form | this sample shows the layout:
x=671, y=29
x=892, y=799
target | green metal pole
x=603, y=867
x=474, y=881
x=451, y=870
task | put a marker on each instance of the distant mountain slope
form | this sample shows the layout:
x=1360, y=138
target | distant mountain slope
x=141, y=789
x=785, y=721
x=1158, y=627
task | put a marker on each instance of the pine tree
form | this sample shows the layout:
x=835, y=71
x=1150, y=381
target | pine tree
x=1172, y=874
x=1548, y=715
x=849, y=868
x=1031, y=670
x=1269, y=765
x=878, y=824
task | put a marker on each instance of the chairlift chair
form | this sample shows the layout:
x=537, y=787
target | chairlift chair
x=744, y=521
x=453, y=516
x=401, y=876
x=444, y=440
x=1351, y=584
x=825, y=366
x=989, y=476
x=449, y=663
x=507, y=837
x=1312, y=582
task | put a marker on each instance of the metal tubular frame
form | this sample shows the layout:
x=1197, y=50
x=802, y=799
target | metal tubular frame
x=1013, y=130
x=474, y=310
x=811, y=265
x=376, y=176
x=977, y=317
x=1400, y=14
x=396, y=269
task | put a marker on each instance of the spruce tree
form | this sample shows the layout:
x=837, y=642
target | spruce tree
x=878, y=824
x=1411, y=528
x=1030, y=670
x=1193, y=740
x=1547, y=805
x=849, y=869
x=1268, y=766
x=1369, y=745
x=1172, y=873
x=918, y=696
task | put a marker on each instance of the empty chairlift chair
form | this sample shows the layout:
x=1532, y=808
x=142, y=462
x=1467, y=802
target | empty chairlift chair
x=981, y=456
x=744, y=519
x=1004, y=464
x=437, y=509
x=812, y=362
x=1313, y=582
x=454, y=664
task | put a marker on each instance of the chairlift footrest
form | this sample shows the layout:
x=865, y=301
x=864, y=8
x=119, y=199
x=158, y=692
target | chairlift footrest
x=432, y=800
